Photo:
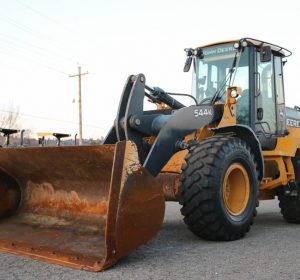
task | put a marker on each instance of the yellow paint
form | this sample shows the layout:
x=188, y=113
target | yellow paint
x=236, y=189
x=287, y=145
x=285, y=172
x=285, y=150
x=279, y=169
x=229, y=114
x=175, y=162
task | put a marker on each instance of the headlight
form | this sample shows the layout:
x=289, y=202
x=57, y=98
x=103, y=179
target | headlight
x=234, y=93
x=236, y=45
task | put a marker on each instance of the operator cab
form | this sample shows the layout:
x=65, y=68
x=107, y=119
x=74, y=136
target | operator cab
x=254, y=66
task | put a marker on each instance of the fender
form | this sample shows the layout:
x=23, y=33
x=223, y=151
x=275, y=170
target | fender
x=246, y=134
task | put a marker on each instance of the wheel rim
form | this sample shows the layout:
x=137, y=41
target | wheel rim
x=236, y=189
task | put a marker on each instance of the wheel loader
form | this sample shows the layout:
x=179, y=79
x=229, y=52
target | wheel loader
x=235, y=144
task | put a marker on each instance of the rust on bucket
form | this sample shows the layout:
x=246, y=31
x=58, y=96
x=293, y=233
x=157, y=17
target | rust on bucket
x=83, y=207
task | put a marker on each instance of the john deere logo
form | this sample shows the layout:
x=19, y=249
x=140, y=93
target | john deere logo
x=218, y=51
x=294, y=123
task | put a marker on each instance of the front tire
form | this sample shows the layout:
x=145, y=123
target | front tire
x=219, y=188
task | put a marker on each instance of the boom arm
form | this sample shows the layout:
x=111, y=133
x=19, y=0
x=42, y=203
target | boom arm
x=169, y=126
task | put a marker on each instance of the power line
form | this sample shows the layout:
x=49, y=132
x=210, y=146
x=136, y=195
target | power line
x=43, y=51
x=38, y=35
x=26, y=57
x=30, y=53
x=42, y=15
x=54, y=42
x=49, y=119
x=23, y=27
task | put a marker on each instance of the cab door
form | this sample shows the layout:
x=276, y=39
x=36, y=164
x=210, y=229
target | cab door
x=269, y=99
x=280, y=101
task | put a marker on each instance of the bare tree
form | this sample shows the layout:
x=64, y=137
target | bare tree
x=9, y=119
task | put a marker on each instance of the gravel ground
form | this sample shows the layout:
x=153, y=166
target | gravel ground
x=271, y=250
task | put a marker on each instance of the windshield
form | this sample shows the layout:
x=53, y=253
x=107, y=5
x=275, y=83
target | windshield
x=212, y=71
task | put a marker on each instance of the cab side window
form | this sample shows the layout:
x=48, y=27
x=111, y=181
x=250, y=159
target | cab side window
x=266, y=98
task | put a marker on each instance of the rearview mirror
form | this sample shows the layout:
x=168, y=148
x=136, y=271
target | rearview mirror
x=260, y=114
x=265, y=54
x=188, y=63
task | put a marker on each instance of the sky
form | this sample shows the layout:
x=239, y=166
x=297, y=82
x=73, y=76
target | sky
x=42, y=42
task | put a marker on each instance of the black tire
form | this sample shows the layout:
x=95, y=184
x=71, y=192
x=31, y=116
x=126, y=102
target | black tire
x=202, y=178
x=290, y=206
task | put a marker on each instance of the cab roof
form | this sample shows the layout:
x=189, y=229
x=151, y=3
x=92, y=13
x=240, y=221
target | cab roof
x=283, y=51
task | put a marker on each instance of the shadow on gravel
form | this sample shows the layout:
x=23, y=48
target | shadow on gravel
x=175, y=241
x=269, y=219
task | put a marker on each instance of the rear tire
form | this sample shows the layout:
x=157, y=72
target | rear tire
x=219, y=188
x=290, y=206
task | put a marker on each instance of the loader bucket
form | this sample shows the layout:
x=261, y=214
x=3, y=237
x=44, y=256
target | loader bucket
x=83, y=207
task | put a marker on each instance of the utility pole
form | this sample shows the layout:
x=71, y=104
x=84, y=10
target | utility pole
x=79, y=101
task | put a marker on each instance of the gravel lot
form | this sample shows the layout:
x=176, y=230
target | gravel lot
x=271, y=250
